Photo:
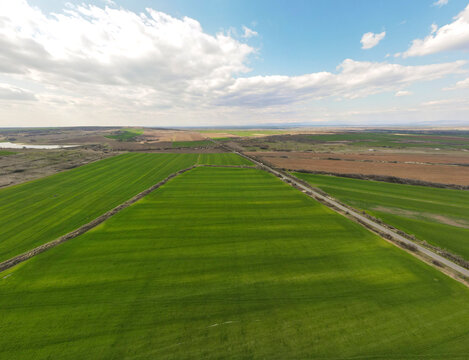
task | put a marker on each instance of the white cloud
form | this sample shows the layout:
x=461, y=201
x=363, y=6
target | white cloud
x=248, y=33
x=463, y=84
x=88, y=44
x=355, y=79
x=440, y=3
x=9, y=92
x=111, y=66
x=370, y=40
x=453, y=36
x=402, y=93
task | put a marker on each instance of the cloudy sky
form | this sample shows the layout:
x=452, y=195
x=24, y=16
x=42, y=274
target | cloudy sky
x=238, y=62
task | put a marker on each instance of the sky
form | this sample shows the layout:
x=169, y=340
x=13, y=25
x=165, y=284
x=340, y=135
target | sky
x=190, y=63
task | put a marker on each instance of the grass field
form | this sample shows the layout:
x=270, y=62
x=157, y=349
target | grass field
x=222, y=159
x=36, y=212
x=439, y=216
x=126, y=135
x=230, y=263
x=6, y=153
x=193, y=144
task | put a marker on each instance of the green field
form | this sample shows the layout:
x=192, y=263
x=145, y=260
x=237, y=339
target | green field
x=126, y=135
x=438, y=216
x=6, y=153
x=230, y=263
x=39, y=211
x=222, y=159
x=394, y=140
x=193, y=144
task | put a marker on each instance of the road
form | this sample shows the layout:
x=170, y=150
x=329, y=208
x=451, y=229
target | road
x=367, y=221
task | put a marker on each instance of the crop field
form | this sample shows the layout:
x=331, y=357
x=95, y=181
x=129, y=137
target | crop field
x=352, y=141
x=438, y=216
x=230, y=263
x=397, y=165
x=39, y=211
x=193, y=144
x=126, y=135
x=244, y=133
x=222, y=159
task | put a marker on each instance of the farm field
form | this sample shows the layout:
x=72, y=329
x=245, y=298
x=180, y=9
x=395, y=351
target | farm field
x=230, y=263
x=222, y=159
x=442, y=169
x=438, y=216
x=352, y=141
x=126, y=134
x=193, y=144
x=39, y=211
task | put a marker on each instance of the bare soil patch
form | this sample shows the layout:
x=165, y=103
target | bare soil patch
x=418, y=215
x=442, y=173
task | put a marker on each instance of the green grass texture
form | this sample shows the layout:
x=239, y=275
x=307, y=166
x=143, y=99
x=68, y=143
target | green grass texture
x=39, y=211
x=428, y=213
x=6, y=153
x=230, y=263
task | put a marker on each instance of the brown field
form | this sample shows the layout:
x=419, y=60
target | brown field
x=423, y=167
x=155, y=135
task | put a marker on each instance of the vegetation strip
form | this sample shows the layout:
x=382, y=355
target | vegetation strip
x=333, y=204
x=25, y=256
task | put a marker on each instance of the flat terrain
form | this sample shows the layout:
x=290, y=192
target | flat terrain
x=230, y=263
x=443, y=169
x=438, y=216
x=23, y=165
x=40, y=211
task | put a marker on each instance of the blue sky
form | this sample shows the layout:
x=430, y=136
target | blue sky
x=293, y=39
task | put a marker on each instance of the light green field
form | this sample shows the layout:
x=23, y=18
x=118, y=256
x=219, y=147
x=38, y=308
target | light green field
x=39, y=211
x=230, y=263
x=439, y=216
x=222, y=159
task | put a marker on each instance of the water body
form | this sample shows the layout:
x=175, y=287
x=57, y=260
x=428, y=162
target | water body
x=10, y=145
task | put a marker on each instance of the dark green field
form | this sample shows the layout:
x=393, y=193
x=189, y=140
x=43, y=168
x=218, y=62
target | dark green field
x=39, y=211
x=6, y=153
x=230, y=263
x=439, y=216
x=126, y=135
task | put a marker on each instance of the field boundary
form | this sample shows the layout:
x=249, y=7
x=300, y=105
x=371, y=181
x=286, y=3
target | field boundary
x=7, y=264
